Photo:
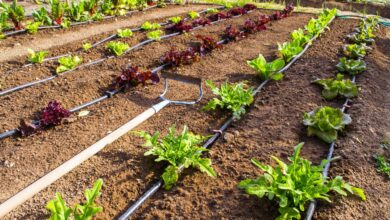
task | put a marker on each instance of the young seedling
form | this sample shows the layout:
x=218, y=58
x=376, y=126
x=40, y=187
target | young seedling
x=383, y=165
x=300, y=37
x=59, y=209
x=175, y=20
x=354, y=51
x=36, y=57
x=150, y=26
x=211, y=10
x=325, y=122
x=87, y=46
x=32, y=27
x=293, y=185
x=117, y=48
x=351, y=66
x=154, y=35
x=233, y=97
x=178, y=150
x=68, y=63
x=124, y=33
x=337, y=87
x=193, y=14
x=266, y=70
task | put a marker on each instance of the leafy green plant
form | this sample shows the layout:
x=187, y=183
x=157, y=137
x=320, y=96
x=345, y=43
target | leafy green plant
x=175, y=20
x=154, y=35
x=211, y=10
x=337, y=87
x=193, y=14
x=293, y=185
x=313, y=27
x=233, y=97
x=36, y=57
x=76, y=11
x=117, y=48
x=87, y=46
x=32, y=27
x=325, y=122
x=106, y=7
x=15, y=12
x=124, y=33
x=68, y=63
x=354, y=51
x=383, y=165
x=150, y=26
x=4, y=25
x=288, y=50
x=300, y=37
x=57, y=10
x=266, y=70
x=41, y=15
x=351, y=66
x=178, y=150
x=60, y=211
x=65, y=23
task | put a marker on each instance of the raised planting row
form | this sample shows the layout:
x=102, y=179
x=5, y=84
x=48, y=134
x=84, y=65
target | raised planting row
x=275, y=26
x=132, y=76
x=68, y=64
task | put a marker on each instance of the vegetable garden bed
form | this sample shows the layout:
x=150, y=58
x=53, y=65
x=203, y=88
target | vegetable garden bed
x=271, y=127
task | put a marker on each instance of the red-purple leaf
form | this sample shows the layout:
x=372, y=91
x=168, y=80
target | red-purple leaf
x=27, y=129
x=249, y=7
x=218, y=16
x=131, y=76
x=233, y=34
x=53, y=114
x=208, y=44
x=177, y=58
x=201, y=22
x=180, y=27
x=236, y=12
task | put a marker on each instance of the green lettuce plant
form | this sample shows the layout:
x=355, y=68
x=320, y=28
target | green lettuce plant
x=178, y=150
x=150, y=26
x=36, y=57
x=193, y=14
x=351, y=66
x=289, y=50
x=175, y=19
x=124, y=33
x=154, y=35
x=300, y=37
x=117, y=48
x=60, y=211
x=266, y=70
x=68, y=63
x=87, y=46
x=32, y=27
x=233, y=97
x=293, y=185
x=325, y=122
x=354, y=51
x=337, y=87
x=382, y=165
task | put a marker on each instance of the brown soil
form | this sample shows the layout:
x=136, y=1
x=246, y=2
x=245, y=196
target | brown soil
x=16, y=47
x=368, y=8
x=125, y=171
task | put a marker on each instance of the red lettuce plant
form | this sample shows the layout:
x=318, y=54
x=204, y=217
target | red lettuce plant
x=180, y=27
x=287, y=11
x=233, y=34
x=251, y=26
x=53, y=114
x=208, y=44
x=132, y=76
x=177, y=58
x=263, y=19
x=217, y=16
x=249, y=7
x=201, y=22
x=236, y=12
x=26, y=128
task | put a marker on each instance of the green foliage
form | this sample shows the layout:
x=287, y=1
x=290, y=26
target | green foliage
x=37, y=57
x=325, y=122
x=124, y=33
x=193, y=14
x=87, y=46
x=57, y=10
x=68, y=63
x=354, y=51
x=60, y=211
x=178, y=150
x=15, y=12
x=383, y=165
x=293, y=185
x=4, y=25
x=32, y=27
x=288, y=50
x=300, y=37
x=76, y=11
x=175, y=20
x=233, y=97
x=65, y=23
x=41, y=15
x=267, y=70
x=313, y=27
x=117, y=48
x=98, y=16
x=90, y=6
x=337, y=87
x=316, y=26
x=150, y=26
x=107, y=7
x=154, y=35
x=211, y=10
x=351, y=66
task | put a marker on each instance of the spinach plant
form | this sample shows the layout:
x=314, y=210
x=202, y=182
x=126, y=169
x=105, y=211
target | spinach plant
x=293, y=185
x=68, y=63
x=337, y=87
x=36, y=57
x=325, y=122
x=178, y=150
x=266, y=70
x=233, y=97
x=117, y=48
x=60, y=211
x=351, y=66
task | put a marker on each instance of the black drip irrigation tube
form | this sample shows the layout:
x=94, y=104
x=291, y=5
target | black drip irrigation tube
x=109, y=38
x=312, y=206
x=11, y=33
x=17, y=88
x=218, y=133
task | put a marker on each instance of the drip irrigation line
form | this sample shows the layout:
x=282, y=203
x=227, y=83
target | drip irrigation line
x=23, y=86
x=155, y=187
x=108, y=94
x=381, y=21
x=312, y=206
